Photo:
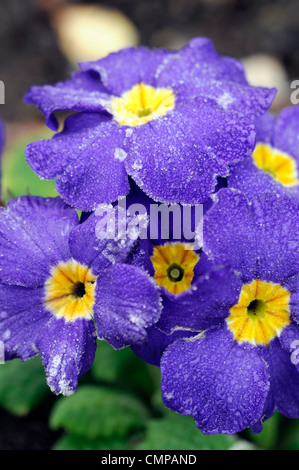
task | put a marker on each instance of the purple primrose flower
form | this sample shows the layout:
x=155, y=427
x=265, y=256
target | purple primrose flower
x=243, y=364
x=274, y=163
x=173, y=121
x=61, y=287
x=187, y=280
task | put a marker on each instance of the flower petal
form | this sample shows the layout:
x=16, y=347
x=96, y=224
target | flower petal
x=83, y=92
x=67, y=351
x=126, y=303
x=286, y=136
x=33, y=236
x=229, y=233
x=265, y=128
x=260, y=240
x=22, y=316
x=284, y=378
x=97, y=253
x=292, y=285
x=222, y=384
x=198, y=69
x=83, y=157
x=199, y=62
x=205, y=304
x=289, y=340
x=121, y=70
x=172, y=168
x=277, y=220
x=252, y=181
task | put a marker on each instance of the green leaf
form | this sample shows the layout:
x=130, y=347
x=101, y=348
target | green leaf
x=109, y=363
x=123, y=367
x=22, y=385
x=267, y=439
x=17, y=176
x=74, y=442
x=98, y=412
x=180, y=433
x=289, y=434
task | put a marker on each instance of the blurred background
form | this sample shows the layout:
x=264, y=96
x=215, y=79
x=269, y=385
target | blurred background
x=41, y=42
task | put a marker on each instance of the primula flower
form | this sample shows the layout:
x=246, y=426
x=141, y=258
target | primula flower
x=274, y=164
x=173, y=121
x=244, y=365
x=189, y=283
x=61, y=287
x=187, y=280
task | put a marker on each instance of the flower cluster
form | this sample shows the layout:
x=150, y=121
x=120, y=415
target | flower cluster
x=61, y=288
x=215, y=307
x=171, y=121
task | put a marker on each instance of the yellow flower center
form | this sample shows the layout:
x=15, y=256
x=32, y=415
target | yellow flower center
x=173, y=264
x=70, y=291
x=261, y=313
x=141, y=104
x=281, y=166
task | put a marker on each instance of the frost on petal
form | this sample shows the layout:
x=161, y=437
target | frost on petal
x=67, y=351
x=224, y=386
x=127, y=303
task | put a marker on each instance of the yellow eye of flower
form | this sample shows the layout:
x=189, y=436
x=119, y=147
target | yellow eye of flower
x=281, y=166
x=70, y=291
x=141, y=104
x=173, y=264
x=261, y=313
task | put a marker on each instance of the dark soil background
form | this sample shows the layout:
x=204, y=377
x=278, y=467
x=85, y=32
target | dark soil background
x=26, y=433
x=29, y=52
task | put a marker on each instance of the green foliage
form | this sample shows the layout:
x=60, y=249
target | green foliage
x=22, y=385
x=178, y=432
x=18, y=177
x=125, y=368
x=73, y=442
x=109, y=417
x=289, y=435
x=99, y=412
x=267, y=439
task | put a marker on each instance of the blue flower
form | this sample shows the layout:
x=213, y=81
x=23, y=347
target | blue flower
x=173, y=121
x=61, y=287
x=240, y=368
x=188, y=281
x=274, y=163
